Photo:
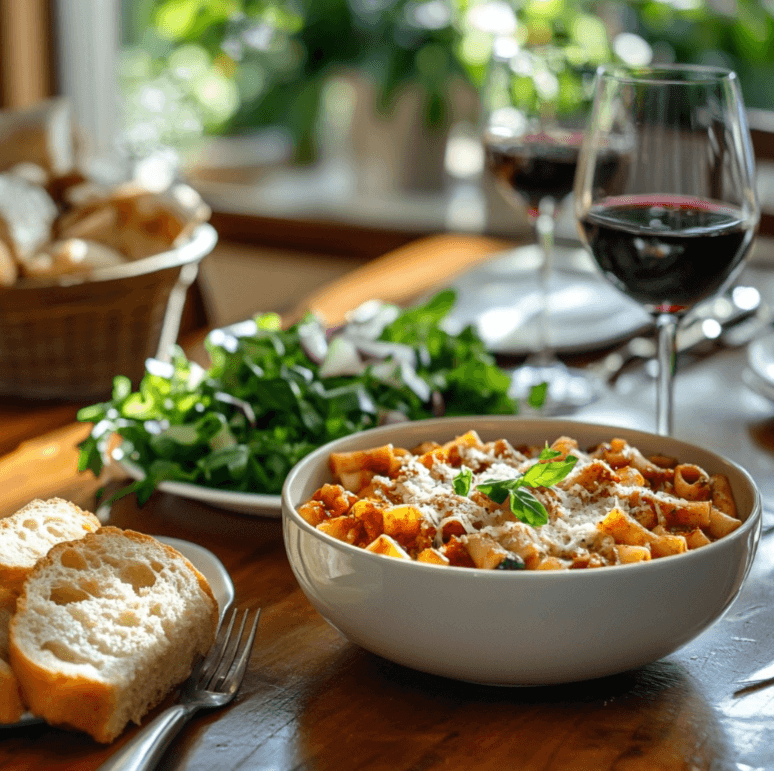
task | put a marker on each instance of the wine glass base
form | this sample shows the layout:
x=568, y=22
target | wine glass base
x=569, y=389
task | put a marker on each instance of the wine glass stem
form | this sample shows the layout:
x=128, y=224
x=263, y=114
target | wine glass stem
x=666, y=328
x=545, y=225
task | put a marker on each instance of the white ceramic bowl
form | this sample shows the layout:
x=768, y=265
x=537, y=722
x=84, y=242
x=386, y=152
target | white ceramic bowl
x=526, y=627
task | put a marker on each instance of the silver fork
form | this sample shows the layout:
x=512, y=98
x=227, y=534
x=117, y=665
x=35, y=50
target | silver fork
x=213, y=683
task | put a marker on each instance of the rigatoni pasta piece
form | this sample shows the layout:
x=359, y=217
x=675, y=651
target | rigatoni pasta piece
x=432, y=556
x=451, y=450
x=685, y=514
x=721, y=495
x=359, y=466
x=371, y=516
x=389, y=547
x=696, y=539
x=565, y=446
x=327, y=502
x=691, y=482
x=721, y=524
x=457, y=554
x=552, y=563
x=625, y=529
x=627, y=553
x=348, y=529
x=485, y=551
x=403, y=522
x=629, y=476
x=590, y=477
x=666, y=544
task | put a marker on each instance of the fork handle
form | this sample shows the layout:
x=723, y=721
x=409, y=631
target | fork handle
x=146, y=748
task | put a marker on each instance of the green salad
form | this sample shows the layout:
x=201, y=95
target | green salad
x=271, y=396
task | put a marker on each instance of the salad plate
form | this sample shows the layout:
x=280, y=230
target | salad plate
x=207, y=564
x=227, y=436
x=252, y=504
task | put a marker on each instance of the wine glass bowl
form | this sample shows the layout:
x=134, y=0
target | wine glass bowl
x=672, y=220
x=535, y=106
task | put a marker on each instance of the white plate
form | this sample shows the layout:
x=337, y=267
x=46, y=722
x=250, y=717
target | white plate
x=254, y=504
x=760, y=357
x=207, y=564
x=757, y=384
x=500, y=298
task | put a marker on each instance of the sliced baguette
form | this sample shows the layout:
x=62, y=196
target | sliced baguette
x=105, y=627
x=27, y=535
x=11, y=707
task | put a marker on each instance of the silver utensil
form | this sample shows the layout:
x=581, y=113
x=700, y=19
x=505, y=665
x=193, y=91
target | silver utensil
x=724, y=324
x=213, y=683
x=762, y=678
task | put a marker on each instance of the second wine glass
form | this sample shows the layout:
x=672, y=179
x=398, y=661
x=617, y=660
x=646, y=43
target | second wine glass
x=535, y=109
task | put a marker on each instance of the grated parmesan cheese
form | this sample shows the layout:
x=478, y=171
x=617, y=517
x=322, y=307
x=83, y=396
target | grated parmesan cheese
x=574, y=511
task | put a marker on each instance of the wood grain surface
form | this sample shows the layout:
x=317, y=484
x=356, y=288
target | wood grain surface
x=311, y=700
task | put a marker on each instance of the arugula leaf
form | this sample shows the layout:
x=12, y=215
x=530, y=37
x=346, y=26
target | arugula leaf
x=462, y=482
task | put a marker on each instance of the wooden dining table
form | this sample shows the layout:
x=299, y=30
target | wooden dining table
x=312, y=700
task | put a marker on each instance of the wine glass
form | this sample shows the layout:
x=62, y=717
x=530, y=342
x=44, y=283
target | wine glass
x=673, y=224
x=532, y=136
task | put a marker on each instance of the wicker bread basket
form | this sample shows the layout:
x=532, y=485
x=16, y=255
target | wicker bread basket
x=68, y=341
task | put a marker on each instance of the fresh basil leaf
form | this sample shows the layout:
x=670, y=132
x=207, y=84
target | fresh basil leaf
x=463, y=481
x=527, y=508
x=545, y=474
x=498, y=491
x=548, y=454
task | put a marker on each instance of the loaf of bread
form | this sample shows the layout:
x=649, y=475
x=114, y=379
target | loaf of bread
x=105, y=627
x=27, y=535
x=11, y=707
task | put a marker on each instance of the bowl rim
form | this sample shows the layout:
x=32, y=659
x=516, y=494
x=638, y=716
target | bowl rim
x=290, y=512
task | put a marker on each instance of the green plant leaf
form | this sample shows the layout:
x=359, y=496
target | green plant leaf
x=546, y=473
x=463, y=481
x=527, y=508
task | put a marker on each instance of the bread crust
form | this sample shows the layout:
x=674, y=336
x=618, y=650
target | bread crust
x=11, y=705
x=13, y=575
x=80, y=702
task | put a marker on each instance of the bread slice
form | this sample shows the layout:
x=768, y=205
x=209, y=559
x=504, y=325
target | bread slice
x=27, y=535
x=11, y=707
x=105, y=627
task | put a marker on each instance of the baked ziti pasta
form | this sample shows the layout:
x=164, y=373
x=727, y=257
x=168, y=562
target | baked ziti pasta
x=451, y=504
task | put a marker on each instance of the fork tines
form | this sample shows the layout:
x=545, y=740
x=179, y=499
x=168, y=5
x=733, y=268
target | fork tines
x=224, y=667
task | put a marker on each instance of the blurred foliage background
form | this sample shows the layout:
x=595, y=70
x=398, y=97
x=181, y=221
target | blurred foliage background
x=193, y=68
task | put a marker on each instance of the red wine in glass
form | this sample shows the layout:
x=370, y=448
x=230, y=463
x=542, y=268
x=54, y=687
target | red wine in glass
x=534, y=167
x=667, y=252
x=539, y=166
